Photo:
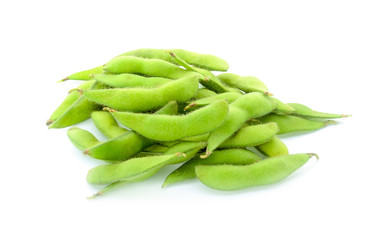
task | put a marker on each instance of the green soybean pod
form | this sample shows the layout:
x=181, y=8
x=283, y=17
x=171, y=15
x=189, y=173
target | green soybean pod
x=190, y=148
x=84, y=75
x=156, y=148
x=147, y=67
x=107, y=124
x=268, y=171
x=197, y=138
x=251, y=136
x=288, y=124
x=273, y=148
x=171, y=128
x=127, y=144
x=140, y=99
x=304, y=111
x=229, y=96
x=81, y=138
x=79, y=111
x=126, y=80
x=243, y=109
x=204, y=93
x=205, y=61
x=127, y=170
x=69, y=100
x=244, y=83
x=282, y=107
x=233, y=156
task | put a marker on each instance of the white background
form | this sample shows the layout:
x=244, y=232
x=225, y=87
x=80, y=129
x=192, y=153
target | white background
x=334, y=56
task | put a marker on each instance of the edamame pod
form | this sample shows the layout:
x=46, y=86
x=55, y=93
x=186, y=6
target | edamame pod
x=190, y=148
x=205, y=61
x=268, y=171
x=107, y=124
x=244, y=83
x=282, y=107
x=204, y=93
x=251, y=136
x=140, y=99
x=81, y=138
x=79, y=111
x=147, y=67
x=128, y=170
x=69, y=100
x=171, y=128
x=227, y=156
x=244, y=108
x=273, y=148
x=229, y=96
x=128, y=144
x=126, y=80
x=288, y=124
x=304, y=111
x=156, y=148
x=84, y=75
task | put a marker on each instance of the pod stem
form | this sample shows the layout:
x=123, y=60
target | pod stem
x=63, y=80
x=108, y=109
x=79, y=90
x=268, y=93
x=181, y=62
x=346, y=115
x=207, y=153
x=48, y=122
x=313, y=155
x=190, y=106
x=329, y=122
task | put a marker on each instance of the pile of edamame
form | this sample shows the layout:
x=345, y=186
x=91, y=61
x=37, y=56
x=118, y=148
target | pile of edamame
x=223, y=128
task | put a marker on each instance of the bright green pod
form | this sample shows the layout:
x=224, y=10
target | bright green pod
x=81, y=138
x=288, y=124
x=127, y=144
x=79, y=111
x=227, y=156
x=171, y=128
x=243, y=109
x=141, y=99
x=128, y=170
x=84, y=75
x=282, y=107
x=107, y=124
x=204, y=93
x=273, y=148
x=197, y=138
x=251, y=136
x=304, y=111
x=229, y=96
x=69, y=100
x=156, y=148
x=268, y=171
x=147, y=67
x=190, y=148
x=206, y=61
x=244, y=83
x=127, y=80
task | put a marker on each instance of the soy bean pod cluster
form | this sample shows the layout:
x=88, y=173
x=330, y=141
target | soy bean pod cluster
x=159, y=107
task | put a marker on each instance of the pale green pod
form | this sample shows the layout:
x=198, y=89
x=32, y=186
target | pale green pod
x=127, y=80
x=79, y=111
x=84, y=75
x=206, y=61
x=273, y=148
x=127, y=170
x=189, y=148
x=171, y=128
x=127, y=144
x=141, y=99
x=282, y=107
x=147, y=67
x=229, y=96
x=204, y=93
x=198, y=138
x=244, y=83
x=251, y=136
x=69, y=100
x=268, y=171
x=304, y=111
x=81, y=138
x=243, y=109
x=288, y=124
x=227, y=156
x=107, y=124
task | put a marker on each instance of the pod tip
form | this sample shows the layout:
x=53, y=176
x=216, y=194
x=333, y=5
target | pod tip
x=190, y=106
x=346, y=115
x=49, y=122
x=328, y=122
x=86, y=152
x=207, y=153
x=108, y=109
x=63, y=80
x=268, y=93
x=95, y=195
